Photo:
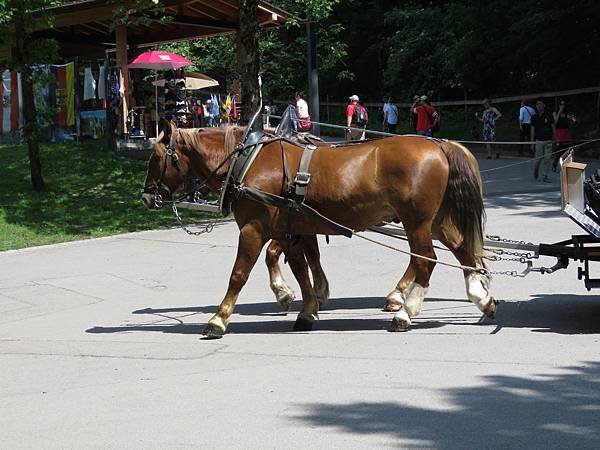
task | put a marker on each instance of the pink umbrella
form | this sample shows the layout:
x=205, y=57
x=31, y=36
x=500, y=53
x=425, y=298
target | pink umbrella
x=159, y=60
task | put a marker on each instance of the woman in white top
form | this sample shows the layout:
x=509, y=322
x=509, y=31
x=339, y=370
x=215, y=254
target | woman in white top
x=302, y=112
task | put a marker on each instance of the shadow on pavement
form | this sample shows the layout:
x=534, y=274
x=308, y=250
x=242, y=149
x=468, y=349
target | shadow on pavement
x=552, y=313
x=548, y=202
x=545, y=411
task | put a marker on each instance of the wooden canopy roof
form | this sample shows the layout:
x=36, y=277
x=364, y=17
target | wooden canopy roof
x=84, y=26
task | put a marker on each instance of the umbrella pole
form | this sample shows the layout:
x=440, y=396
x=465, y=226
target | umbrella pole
x=156, y=101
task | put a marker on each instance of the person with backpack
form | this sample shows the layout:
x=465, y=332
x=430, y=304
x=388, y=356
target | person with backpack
x=356, y=117
x=526, y=113
x=427, y=117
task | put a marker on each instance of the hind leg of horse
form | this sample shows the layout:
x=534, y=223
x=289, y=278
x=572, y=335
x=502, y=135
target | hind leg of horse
x=419, y=238
x=310, y=305
x=477, y=284
x=397, y=297
x=313, y=257
x=284, y=294
x=251, y=242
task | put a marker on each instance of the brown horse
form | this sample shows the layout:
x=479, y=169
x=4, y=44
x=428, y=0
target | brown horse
x=432, y=187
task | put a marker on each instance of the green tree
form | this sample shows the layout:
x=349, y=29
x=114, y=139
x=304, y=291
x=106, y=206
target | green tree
x=249, y=57
x=19, y=19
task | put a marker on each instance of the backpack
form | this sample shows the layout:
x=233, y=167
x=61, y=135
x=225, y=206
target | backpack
x=360, y=117
x=434, y=122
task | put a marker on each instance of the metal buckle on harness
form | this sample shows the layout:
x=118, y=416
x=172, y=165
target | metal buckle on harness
x=301, y=181
x=302, y=178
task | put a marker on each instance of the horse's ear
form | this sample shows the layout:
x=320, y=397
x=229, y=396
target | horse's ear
x=165, y=131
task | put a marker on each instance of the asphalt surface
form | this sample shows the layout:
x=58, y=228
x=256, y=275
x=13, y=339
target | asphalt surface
x=100, y=347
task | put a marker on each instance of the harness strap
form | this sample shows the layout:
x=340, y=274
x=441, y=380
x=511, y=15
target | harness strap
x=281, y=202
x=303, y=175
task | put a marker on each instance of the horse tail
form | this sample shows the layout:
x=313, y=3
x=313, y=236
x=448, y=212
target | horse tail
x=463, y=200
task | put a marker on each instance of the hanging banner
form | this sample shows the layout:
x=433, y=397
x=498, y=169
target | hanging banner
x=6, y=90
x=70, y=87
x=93, y=123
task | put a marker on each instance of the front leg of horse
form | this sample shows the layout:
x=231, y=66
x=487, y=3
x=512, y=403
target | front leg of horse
x=313, y=257
x=284, y=294
x=250, y=244
x=310, y=305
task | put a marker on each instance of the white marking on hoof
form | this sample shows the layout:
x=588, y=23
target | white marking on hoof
x=217, y=321
x=478, y=290
x=414, y=300
x=394, y=301
x=283, y=293
x=401, y=321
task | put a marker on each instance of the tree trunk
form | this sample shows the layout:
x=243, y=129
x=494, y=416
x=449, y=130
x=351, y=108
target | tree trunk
x=29, y=114
x=249, y=58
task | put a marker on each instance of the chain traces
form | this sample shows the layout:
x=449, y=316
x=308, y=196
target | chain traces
x=205, y=228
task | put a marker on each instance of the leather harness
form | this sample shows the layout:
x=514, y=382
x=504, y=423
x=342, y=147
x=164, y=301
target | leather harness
x=294, y=194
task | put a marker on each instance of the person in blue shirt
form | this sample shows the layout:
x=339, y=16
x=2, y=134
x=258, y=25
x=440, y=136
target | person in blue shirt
x=390, y=116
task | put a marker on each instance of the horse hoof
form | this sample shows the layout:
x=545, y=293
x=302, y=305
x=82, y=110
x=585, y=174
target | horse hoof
x=213, y=332
x=490, y=309
x=286, y=300
x=399, y=324
x=303, y=324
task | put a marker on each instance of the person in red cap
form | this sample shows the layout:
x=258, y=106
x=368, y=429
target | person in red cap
x=356, y=117
x=426, y=116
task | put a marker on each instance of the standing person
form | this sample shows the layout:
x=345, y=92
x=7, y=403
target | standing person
x=426, y=117
x=390, y=116
x=302, y=112
x=356, y=117
x=412, y=115
x=526, y=112
x=488, y=118
x=542, y=131
x=562, y=132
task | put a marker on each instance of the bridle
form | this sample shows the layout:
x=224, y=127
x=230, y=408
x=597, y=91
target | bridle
x=157, y=187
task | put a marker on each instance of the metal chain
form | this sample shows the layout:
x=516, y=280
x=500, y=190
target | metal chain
x=494, y=237
x=521, y=257
x=511, y=273
x=207, y=228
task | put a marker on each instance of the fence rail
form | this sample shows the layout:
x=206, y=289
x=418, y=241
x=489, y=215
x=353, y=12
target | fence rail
x=513, y=98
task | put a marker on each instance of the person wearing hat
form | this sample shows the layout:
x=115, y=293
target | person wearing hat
x=426, y=116
x=352, y=134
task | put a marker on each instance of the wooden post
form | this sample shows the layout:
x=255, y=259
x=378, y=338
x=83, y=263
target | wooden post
x=122, y=62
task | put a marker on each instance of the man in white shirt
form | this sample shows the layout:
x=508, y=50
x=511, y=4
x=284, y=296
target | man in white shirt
x=525, y=114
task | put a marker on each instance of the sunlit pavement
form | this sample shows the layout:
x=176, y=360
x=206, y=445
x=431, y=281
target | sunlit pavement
x=100, y=346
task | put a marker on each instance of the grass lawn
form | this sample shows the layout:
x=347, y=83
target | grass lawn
x=90, y=192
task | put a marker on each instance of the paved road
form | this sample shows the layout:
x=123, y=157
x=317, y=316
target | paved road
x=100, y=348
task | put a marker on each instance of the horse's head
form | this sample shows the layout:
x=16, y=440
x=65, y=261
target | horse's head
x=168, y=167
x=199, y=154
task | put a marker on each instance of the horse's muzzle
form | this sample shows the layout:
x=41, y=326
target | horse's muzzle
x=149, y=201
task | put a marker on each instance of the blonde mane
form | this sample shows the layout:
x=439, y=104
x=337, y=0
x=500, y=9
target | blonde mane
x=213, y=144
